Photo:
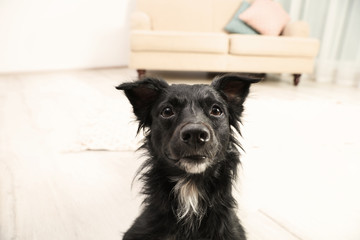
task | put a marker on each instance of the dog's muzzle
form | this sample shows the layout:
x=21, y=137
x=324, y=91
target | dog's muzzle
x=193, y=147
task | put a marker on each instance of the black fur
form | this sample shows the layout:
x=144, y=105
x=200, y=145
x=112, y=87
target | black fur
x=192, y=158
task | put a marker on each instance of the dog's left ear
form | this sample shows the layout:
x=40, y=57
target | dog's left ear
x=234, y=88
x=142, y=95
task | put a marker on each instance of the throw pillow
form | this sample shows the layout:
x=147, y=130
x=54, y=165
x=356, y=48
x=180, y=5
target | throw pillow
x=238, y=26
x=266, y=16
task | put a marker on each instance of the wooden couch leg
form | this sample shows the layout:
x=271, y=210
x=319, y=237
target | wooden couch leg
x=296, y=79
x=141, y=73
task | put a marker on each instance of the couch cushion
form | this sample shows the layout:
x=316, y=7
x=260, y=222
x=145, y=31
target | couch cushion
x=236, y=25
x=265, y=16
x=222, y=13
x=174, y=41
x=259, y=45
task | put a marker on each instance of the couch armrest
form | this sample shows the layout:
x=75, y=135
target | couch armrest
x=296, y=29
x=140, y=21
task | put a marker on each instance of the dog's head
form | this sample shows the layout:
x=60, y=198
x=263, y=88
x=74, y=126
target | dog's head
x=189, y=125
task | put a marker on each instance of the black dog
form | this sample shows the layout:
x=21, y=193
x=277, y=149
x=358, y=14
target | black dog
x=193, y=158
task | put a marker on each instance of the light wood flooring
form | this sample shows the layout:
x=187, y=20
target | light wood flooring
x=300, y=177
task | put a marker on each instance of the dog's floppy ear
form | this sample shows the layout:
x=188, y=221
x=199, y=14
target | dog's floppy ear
x=142, y=94
x=234, y=89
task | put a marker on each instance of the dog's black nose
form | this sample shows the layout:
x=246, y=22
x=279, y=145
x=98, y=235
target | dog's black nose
x=193, y=133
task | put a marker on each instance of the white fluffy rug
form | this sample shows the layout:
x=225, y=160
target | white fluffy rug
x=74, y=115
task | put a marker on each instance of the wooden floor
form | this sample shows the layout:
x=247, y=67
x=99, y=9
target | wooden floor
x=300, y=176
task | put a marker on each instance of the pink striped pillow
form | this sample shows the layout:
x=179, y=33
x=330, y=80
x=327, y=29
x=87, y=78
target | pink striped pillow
x=266, y=16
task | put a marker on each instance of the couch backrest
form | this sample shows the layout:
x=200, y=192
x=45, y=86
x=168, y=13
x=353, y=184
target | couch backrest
x=189, y=15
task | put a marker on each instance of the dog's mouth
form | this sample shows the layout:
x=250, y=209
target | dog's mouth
x=194, y=158
x=194, y=164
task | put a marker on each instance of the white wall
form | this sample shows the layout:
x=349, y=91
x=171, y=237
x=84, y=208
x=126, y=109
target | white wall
x=63, y=34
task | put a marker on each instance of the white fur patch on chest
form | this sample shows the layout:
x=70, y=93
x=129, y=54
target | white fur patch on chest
x=189, y=199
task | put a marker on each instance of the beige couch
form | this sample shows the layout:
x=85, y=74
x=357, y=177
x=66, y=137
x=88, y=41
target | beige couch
x=188, y=35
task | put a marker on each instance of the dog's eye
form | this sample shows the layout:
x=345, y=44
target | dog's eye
x=167, y=112
x=216, y=111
